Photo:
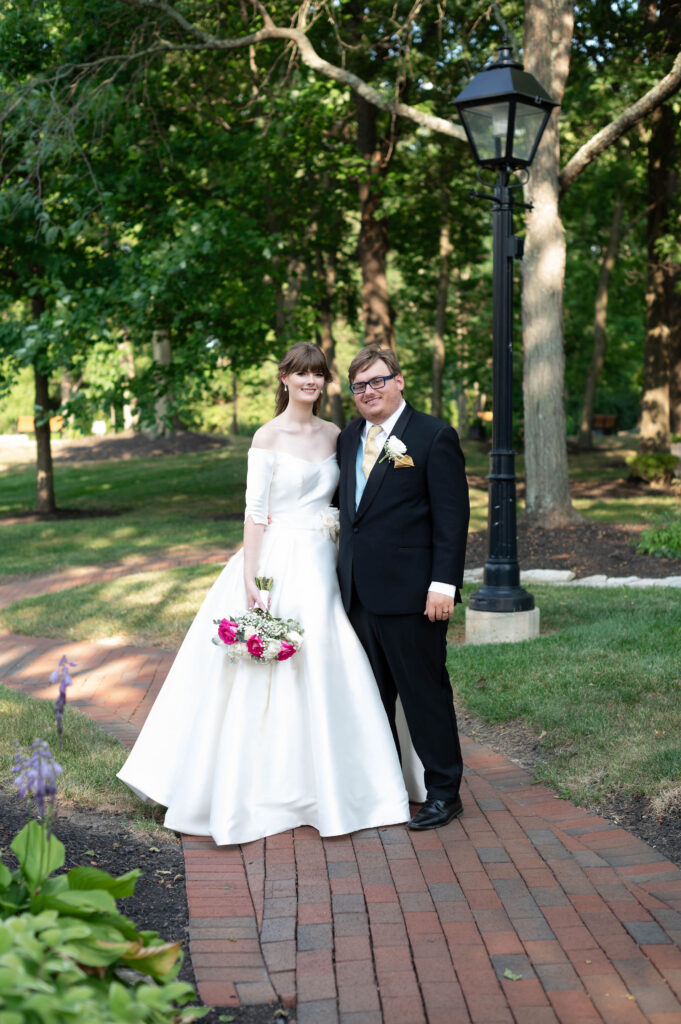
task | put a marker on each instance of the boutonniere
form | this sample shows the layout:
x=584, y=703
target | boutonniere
x=396, y=451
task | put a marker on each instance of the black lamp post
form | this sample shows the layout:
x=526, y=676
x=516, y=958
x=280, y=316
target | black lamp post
x=504, y=111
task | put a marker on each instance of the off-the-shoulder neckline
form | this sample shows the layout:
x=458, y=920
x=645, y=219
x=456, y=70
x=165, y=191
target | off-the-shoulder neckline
x=271, y=451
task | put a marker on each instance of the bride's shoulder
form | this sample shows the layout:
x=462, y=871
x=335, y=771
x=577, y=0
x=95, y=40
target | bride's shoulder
x=265, y=436
x=330, y=429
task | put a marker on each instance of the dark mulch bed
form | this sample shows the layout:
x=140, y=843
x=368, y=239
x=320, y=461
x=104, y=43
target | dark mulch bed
x=587, y=548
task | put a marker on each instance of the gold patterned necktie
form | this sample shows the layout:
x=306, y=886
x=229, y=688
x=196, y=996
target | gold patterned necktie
x=371, y=449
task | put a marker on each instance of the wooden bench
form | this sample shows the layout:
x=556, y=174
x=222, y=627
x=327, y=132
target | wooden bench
x=604, y=421
x=26, y=424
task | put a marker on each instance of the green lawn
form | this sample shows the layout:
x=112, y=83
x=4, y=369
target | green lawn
x=89, y=758
x=165, y=506
x=601, y=685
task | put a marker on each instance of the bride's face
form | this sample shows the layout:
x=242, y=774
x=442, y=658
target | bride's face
x=304, y=387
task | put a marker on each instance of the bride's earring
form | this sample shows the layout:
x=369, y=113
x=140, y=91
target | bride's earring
x=285, y=387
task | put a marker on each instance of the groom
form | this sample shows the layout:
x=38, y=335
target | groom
x=403, y=525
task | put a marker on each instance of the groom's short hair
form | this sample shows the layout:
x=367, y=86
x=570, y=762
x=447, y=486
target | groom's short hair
x=369, y=355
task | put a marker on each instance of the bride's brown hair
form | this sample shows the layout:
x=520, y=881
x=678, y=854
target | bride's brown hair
x=303, y=357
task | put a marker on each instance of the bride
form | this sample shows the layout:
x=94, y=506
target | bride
x=243, y=750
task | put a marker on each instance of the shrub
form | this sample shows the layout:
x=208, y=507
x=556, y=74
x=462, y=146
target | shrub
x=66, y=954
x=656, y=466
x=662, y=537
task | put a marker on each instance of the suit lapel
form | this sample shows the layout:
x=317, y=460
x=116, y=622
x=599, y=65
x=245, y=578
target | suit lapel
x=349, y=465
x=377, y=474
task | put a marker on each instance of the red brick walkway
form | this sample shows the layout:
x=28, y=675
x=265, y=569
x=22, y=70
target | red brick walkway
x=527, y=910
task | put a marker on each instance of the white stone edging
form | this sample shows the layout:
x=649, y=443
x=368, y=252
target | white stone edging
x=565, y=577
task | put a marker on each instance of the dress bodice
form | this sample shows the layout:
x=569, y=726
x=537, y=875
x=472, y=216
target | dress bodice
x=281, y=485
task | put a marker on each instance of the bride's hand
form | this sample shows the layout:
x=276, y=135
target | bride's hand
x=253, y=598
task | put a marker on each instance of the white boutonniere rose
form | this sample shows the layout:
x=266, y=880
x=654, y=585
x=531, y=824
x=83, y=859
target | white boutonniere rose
x=396, y=451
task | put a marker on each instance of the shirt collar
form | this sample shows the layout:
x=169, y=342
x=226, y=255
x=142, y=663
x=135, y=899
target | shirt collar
x=388, y=425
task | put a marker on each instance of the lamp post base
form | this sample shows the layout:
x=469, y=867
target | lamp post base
x=501, y=627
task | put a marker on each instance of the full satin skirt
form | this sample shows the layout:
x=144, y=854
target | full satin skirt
x=240, y=750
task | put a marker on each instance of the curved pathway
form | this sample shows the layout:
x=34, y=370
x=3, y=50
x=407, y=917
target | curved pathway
x=527, y=910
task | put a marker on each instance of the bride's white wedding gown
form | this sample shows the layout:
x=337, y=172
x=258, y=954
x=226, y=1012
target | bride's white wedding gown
x=243, y=750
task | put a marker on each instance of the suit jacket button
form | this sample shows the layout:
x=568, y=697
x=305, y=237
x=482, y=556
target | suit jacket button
x=355, y=529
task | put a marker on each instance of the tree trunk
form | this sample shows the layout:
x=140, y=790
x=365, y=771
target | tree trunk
x=162, y=354
x=325, y=267
x=675, y=376
x=441, y=316
x=372, y=246
x=234, y=429
x=663, y=277
x=663, y=24
x=45, y=500
x=548, y=34
x=585, y=440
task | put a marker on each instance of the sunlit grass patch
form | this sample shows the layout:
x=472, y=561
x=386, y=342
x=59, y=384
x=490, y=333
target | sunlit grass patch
x=143, y=609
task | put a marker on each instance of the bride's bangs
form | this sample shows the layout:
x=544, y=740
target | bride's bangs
x=309, y=359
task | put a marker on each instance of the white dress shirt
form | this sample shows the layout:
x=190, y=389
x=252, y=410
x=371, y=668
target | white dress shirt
x=448, y=589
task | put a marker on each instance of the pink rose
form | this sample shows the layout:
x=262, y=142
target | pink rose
x=255, y=646
x=227, y=631
x=287, y=651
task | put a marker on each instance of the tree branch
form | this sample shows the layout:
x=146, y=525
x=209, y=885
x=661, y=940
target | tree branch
x=308, y=55
x=580, y=160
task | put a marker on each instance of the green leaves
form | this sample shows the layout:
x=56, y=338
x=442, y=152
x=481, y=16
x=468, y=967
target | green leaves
x=37, y=854
x=62, y=941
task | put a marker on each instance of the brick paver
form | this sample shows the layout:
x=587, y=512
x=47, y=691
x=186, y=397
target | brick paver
x=526, y=909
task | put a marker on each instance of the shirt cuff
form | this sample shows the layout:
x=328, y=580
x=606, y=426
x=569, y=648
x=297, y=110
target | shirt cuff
x=448, y=589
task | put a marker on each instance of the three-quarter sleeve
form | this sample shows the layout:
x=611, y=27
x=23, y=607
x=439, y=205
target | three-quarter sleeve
x=261, y=463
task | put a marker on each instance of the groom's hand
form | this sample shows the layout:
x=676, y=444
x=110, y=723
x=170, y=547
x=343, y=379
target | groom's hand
x=438, y=606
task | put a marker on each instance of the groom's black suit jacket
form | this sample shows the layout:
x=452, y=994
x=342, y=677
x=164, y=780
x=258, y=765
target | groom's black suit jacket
x=411, y=524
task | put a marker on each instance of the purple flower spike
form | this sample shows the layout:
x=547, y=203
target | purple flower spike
x=62, y=676
x=35, y=775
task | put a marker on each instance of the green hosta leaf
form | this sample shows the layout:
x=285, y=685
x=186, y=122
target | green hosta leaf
x=96, y=954
x=85, y=901
x=93, y=878
x=120, y=1000
x=5, y=940
x=5, y=877
x=38, y=856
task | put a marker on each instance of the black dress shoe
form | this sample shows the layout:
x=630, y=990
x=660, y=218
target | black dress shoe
x=435, y=813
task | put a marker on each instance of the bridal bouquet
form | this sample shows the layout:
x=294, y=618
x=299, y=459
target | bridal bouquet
x=257, y=634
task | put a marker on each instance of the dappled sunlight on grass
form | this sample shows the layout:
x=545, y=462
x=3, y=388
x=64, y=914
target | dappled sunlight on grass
x=636, y=509
x=146, y=609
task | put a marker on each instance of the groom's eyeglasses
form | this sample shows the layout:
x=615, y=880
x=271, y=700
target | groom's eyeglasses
x=376, y=383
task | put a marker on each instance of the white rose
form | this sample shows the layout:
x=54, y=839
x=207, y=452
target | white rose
x=394, y=448
x=294, y=638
